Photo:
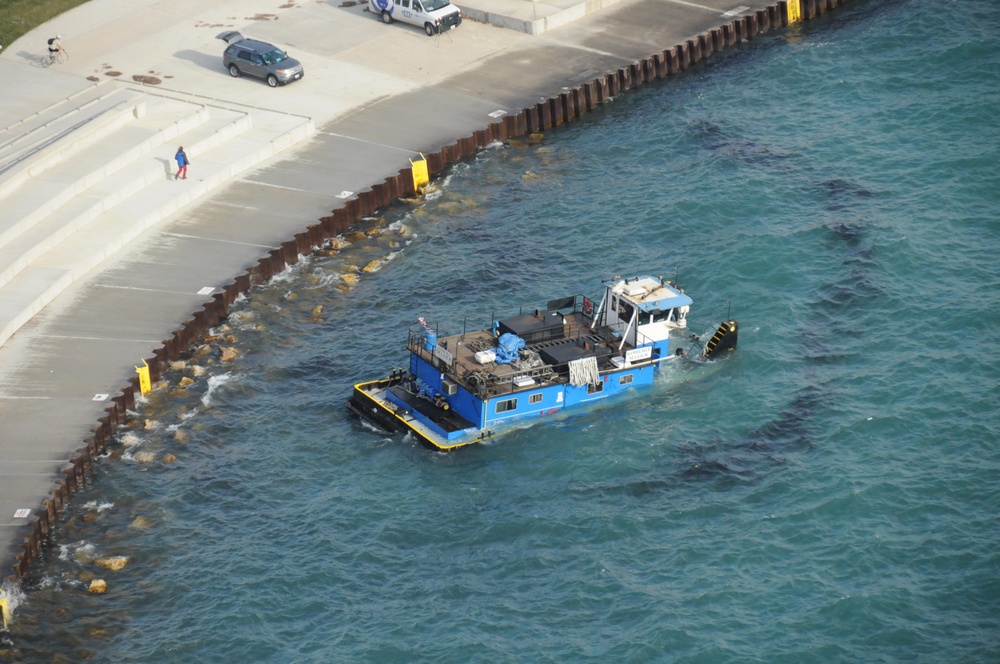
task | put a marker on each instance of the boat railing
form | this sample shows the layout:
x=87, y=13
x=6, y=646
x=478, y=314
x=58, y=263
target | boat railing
x=571, y=304
x=485, y=380
x=425, y=340
x=490, y=379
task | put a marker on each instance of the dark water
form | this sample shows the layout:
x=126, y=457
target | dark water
x=830, y=493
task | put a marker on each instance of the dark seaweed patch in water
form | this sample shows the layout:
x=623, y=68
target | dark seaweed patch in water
x=634, y=488
x=841, y=298
x=714, y=138
x=841, y=187
x=862, y=283
x=818, y=351
x=842, y=194
x=714, y=468
x=708, y=131
x=837, y=297
x=729, y=463
x=640, y=488
x=850, y=233
x=864, y=258
x=793, y=428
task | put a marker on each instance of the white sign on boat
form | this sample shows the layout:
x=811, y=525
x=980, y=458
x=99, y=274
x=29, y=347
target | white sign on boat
x=443, y=355
x=637, y=354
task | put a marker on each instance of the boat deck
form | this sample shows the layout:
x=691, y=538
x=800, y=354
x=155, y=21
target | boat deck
x=448, y=420
x=556, y=345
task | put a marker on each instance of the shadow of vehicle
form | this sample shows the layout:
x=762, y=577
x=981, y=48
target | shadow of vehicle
x=210, y=61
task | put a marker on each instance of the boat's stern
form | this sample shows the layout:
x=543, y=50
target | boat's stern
x=368, y=402
x=386, y=404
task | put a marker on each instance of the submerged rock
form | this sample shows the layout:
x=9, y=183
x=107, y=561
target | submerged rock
x=113, y=563
x=98, y=586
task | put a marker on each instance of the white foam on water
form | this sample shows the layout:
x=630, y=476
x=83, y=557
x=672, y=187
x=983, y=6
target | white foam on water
x=72, y=550
x=130, y=438
x=291, y=271
x=214, y=383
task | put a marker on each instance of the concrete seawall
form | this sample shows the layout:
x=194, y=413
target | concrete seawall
x=563, y=107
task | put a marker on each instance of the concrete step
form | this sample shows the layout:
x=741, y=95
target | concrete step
x=87, y=230
x=37, y=286
x=533, y=18
x=56, y=138
x=81, y=206
x=63, y=109
x=45, y=192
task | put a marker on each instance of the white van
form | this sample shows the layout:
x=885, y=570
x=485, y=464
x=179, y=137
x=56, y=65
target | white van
x=433, y=16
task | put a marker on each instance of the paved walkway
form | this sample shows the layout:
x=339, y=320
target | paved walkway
x=103, y=254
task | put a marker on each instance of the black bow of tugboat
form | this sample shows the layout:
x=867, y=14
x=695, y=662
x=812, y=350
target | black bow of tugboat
x=723, y=341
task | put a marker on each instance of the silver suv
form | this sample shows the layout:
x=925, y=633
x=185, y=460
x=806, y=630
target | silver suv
x=260, y=59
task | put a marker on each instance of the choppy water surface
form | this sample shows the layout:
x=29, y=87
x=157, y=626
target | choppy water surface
x=830, y=493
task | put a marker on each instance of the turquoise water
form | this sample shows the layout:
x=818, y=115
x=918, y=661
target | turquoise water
x=830, y=493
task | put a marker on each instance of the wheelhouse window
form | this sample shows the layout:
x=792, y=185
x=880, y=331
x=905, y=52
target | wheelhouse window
x=506, y=405
x=625, y=310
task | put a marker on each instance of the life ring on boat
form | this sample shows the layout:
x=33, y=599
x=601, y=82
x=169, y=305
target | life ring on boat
x=588, y=307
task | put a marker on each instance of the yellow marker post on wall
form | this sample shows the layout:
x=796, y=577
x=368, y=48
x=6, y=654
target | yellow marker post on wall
x=5, y=616
x=145, y=385
x=794, y=11
x=419, y=169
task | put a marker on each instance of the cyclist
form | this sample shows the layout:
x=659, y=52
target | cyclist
x=55, y=45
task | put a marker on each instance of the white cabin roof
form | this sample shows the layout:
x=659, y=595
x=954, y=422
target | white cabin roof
x=648, y=293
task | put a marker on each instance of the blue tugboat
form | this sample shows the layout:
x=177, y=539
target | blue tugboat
x=465, y=388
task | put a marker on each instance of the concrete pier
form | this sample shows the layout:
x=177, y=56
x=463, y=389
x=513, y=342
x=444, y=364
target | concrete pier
x=107, y=261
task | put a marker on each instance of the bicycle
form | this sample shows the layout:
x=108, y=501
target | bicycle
x=61, y=57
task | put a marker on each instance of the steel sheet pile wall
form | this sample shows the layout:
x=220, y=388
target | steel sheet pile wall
x=552, y=112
